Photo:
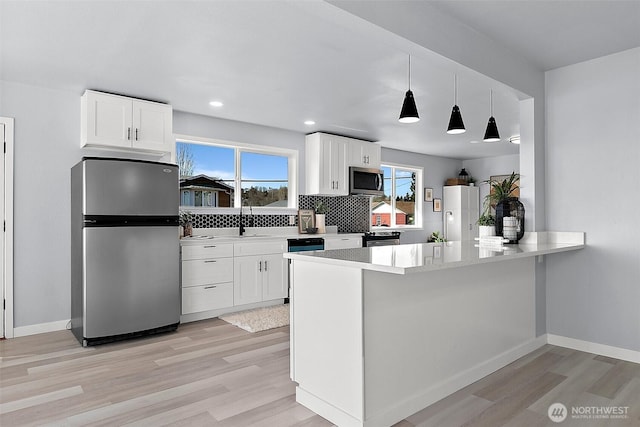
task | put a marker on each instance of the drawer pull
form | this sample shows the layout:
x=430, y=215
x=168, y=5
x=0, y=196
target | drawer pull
x=210, y=287
x=210, y=246
x=210, y=260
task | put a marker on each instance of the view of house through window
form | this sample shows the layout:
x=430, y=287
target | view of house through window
x=400, y=205
x=210, y=175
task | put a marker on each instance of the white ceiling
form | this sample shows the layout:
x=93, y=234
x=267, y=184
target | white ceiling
x=279, y=63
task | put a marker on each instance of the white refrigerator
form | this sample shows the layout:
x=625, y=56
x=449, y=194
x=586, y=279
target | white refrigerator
x=461, y=205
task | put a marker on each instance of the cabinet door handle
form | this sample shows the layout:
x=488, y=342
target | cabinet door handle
x=210, y=260
x=260, y=266
x=265, y=266
x=210, y=287
x=136, y=134
x=128, y=134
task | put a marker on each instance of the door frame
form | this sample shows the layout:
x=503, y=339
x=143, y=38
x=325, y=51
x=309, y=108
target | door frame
x=7, y=261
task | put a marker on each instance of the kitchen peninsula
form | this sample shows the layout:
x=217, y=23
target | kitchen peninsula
x=379, y=333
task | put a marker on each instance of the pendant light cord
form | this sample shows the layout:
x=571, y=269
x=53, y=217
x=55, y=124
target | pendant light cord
x=455, y=89
x=491, y=101
x=409, y=72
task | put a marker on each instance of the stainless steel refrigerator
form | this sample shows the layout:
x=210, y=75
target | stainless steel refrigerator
x=125, y=254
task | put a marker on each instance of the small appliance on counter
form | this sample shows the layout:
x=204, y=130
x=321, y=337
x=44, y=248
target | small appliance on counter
x=125, y=254
x=380, y=238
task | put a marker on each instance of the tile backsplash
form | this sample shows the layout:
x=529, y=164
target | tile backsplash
x=349, y=213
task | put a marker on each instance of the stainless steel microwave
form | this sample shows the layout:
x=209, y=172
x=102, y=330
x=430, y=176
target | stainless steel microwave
x=365, y=181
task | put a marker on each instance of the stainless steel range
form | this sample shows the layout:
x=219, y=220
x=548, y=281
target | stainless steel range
x=380, y=238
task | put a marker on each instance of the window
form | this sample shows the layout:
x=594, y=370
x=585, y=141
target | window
x=401, y=205
x=210, y=173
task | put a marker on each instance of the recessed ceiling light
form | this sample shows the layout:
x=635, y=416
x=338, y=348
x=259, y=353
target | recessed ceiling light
x=216, y=104
x=309, y=122
x=475, y=142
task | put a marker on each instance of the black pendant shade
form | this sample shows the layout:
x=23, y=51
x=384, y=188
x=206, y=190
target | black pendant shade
x=409, y=112
x=456, y=125
x=491, y=134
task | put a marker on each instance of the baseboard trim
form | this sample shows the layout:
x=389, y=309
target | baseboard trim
x=40, y=328
x=592, y=347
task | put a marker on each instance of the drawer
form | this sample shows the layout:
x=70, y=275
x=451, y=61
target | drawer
x=342, y=243
x=209, y=250
x=260, y=248
x=207, y=271
x=207, y=297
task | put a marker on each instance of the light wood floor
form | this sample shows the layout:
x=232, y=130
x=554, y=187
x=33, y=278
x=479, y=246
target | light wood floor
x=210, y=373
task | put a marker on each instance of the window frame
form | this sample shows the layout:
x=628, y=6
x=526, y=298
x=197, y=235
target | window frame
x=239, y=147
x=419, y=200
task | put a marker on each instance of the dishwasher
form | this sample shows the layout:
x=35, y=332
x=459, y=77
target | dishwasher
x=302, y=244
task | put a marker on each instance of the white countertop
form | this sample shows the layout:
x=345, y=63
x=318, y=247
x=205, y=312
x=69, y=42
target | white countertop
x=420, y=257
x=230, y=235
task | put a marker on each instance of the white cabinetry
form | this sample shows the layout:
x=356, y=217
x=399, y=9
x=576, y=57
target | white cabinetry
x=326, y=164
x=259, y=272
x=118, y=122
x=364, y=154
x=343, y=243
x=461, y=210
x=207, y=277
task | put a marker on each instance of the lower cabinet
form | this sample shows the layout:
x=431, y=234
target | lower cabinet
x=207, y=297
x=259, y=278
x=343, y=243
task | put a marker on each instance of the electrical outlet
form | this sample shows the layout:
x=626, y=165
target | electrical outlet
x=292, y=220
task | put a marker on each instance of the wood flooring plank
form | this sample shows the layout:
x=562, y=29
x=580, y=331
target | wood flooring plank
x=614, y=379
x=215, y=374
x=578, y=381
x=454, y=415
x=513, y=403
x=520, y=377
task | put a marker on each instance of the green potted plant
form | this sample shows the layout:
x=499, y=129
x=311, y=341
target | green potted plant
x=486, y=224
x=501, y=196
x=436, y=237
x=322, y=209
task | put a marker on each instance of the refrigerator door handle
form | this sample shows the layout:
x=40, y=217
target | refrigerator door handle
x=448, y=215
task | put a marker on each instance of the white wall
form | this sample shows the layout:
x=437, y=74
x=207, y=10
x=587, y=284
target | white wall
x=593, y=154
x=47, y=144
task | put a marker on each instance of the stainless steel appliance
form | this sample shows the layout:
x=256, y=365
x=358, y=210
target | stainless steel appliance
x=365, y=181
x=380, y=238
x=125, y=251
x=305, y=244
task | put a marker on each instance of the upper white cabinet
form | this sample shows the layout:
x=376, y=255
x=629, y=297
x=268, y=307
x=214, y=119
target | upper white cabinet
x=113, y=121
x=364, y=154
x=328, y=158
x=326, y=164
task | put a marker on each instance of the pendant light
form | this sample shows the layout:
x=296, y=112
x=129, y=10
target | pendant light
x=491, y=134
x=409, y=112
x=456, y=125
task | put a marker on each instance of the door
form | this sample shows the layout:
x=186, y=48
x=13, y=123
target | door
x=274, y=285
x=123, y=187
x=109, y=120
x=152, y=126
x=247, y=279
x=131, y=279
x=6, y=210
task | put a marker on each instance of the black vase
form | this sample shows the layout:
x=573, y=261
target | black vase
x=510, y=219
